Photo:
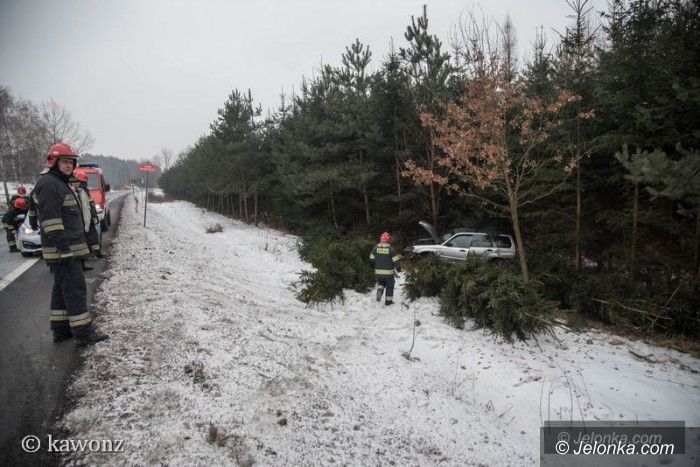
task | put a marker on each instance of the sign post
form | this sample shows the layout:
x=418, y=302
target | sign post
x=148, y=168
x=134, y=181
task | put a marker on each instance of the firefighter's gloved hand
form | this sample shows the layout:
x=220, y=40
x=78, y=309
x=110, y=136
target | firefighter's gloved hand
x=398, y=268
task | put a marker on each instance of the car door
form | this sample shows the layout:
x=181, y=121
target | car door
x=456, y=248
x=505, y=248
x=481, y=246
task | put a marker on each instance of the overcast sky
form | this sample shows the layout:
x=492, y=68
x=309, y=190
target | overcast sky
x=150, y=74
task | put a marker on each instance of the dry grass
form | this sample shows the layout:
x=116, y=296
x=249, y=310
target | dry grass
x=216, y=228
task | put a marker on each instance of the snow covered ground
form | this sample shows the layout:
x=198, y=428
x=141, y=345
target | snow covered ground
x=213, y=361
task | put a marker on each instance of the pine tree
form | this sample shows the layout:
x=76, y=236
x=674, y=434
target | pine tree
x=430, y=71
x=352, y=113
x=575, y=67
x=678, y=180
x=539, y=71
x=397, y=119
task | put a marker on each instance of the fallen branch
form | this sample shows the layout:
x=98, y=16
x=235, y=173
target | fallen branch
x=646, y=358
x=501, y=416
x=407, y=355
x=629, y=308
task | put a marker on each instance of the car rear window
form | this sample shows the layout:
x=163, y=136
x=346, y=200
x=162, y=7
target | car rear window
x=503, y=241
x=481, y=241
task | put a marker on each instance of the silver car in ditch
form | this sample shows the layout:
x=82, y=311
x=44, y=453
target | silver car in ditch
x=461, y=244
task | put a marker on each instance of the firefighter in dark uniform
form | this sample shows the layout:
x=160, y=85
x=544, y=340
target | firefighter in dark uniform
x=12, y=220
x=21, y=193
x=386, y=264
x=63, y=243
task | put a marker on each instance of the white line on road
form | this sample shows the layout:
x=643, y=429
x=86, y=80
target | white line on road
x=7, y=280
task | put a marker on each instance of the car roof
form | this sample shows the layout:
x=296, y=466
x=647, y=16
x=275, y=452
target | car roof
x=462, y=230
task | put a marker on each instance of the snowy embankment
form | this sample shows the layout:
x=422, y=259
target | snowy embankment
x=213, y=361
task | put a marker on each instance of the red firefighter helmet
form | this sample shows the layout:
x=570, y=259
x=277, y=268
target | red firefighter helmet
x=20, y=203
x=59, y=150
x=21, y=190
x=385, y=237
x=80, y=175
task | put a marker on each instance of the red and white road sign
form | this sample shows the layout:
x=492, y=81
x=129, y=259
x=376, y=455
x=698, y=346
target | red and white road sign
x=148, y=168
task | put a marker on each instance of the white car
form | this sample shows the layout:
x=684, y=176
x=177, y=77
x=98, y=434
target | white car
x=29, y=240
x=461, y=244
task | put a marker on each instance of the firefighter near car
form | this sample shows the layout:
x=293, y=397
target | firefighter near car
x=12, y=220
x=21, y=192
x=386, y=265
x=90, y=216
x=98, y=188
x=63, y=244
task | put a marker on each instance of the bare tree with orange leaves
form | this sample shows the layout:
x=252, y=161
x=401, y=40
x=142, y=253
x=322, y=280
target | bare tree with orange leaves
x=492, y=139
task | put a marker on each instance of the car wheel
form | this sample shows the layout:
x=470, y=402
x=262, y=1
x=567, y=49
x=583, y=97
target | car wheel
x=498, y=262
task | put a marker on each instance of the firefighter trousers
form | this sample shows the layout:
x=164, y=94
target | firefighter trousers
x=11, y=241
x=385, y=282
x=69, y=313
x=92, y=237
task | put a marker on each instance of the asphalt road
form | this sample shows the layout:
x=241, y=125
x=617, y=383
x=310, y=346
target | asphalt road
x=35, y=372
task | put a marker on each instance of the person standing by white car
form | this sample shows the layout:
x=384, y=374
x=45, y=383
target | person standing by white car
x=90, y=216
x=12, y=220
x=63, y=244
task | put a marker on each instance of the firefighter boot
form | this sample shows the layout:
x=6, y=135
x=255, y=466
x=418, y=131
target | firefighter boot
x=14, y=249
x=380, y=292
x=60, y=336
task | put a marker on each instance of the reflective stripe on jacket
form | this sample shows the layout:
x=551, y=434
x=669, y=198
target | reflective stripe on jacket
x=385, y=259
x=60, y=218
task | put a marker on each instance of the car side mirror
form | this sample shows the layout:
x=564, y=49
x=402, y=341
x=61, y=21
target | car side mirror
x=107, y=188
